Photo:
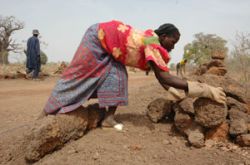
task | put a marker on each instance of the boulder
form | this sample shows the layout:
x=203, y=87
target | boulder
x=215, y=63
x=187, y=105
x=53, y=131
x=219, y=71
x=186, y=125
x=201, y=70
x=158, y=108
x=196, y=139
x=234, y=104
x=182, y=120
x=218, y=133
x=238, y=127
x=243, y=140
x=218, y=55
x=209, y=113
x=235, y=114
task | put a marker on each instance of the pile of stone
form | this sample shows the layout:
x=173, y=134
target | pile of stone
x=216, y=66
x=200, y=119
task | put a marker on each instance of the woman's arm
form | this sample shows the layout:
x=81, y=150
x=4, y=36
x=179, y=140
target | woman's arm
x=167, y=80
x=192, y=89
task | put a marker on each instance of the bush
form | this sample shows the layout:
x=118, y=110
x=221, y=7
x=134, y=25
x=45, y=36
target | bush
x=44, y=58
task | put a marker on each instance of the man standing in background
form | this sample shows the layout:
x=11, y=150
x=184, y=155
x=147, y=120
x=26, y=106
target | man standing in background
x=181, y=67
x=33, y=63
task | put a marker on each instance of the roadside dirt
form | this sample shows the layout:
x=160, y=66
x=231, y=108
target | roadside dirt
x=142, y=142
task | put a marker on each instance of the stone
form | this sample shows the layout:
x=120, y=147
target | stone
x=209, y=113
x=53, y=131
x=235, y=114
x=234, y=104
x=158, y=109
x=182, y=120
x=238, y=127
x=196, y=139
x=187, y=105
x=202, y=69
x=215, y=63
x=243, y=140
x=218, y=133
x=218, y=55
x=219, y=71
x=194, y=127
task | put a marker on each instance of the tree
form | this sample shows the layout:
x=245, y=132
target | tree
x=240, y=56
x=201, y=49
x=8, y=25
x=43, y=58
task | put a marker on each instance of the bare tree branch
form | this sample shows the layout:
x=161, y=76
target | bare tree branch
x=8, y=25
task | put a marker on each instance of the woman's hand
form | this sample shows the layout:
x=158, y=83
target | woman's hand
x=196, y=89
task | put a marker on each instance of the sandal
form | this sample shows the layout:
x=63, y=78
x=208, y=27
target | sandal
x=110, y=122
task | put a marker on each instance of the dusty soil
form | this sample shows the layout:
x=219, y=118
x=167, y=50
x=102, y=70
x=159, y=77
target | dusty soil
x=142, y=142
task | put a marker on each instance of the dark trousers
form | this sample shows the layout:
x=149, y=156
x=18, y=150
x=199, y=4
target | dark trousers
x=35, y=70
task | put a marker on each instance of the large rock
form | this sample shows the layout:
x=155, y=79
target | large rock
x=187, y=105
x=215, y=66
x=219, y=71
x=201, y=70
x=236, y=114
x=243, y=140
x=218, y=133
x=218, y=55
x=196, y=139
x=215, y=63
x=159, y=108
x=182, y=120
x=234, y=104
x=238, y=127
x=53, y=131
x=239, y=121
x=186, y=125
x=209, y=113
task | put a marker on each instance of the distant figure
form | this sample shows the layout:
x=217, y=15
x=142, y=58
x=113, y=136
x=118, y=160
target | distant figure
x=181, y=67
x=33, y=63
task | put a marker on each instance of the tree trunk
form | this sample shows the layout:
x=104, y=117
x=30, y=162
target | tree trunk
x=4, y=57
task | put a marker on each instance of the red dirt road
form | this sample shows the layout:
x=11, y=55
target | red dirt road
x=142, y=142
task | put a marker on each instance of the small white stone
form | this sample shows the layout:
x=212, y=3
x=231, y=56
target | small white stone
x=118, y=127
x=96, y=156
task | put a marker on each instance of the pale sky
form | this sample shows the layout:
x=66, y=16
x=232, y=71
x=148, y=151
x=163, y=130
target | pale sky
x=62, y=23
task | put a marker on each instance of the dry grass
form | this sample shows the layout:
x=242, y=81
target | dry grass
x=11, y=69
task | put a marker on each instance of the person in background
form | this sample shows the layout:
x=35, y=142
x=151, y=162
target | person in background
x=98, y=69
x=181, y=68
x=33, y=62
